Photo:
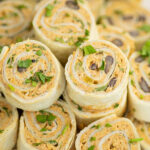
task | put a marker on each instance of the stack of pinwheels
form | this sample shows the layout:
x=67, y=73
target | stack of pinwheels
x=74, y=75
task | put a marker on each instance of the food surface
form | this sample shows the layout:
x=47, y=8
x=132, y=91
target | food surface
x=118, y=37
x=15, y=21
x=87, y=114
x=108, y=133
x=129, y=16
x=52, y=128
x=75, y=74
x=31, y=75
x=96, y=73
x=139, y=88
x=143, y=129
x=8, y=125
x=63, y=25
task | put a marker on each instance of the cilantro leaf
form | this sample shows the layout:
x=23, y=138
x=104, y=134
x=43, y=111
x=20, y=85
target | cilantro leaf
x=89, y=49
x=24, y=63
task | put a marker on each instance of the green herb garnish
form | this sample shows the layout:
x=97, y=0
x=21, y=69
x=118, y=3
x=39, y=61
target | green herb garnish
x=91, y=147
x=43, y=130
x=145, y=51
x=46, y=118
x=49, y=9
x=36, y=144
x=20, y=7
x=89, y=49
x=132, y=83
x=38, y=77
x=96, y=126
x=11, y=87
x=82, y=39
x=102, y=67
x=6, y=110
x=108, y=125
x=79, y=108
x=116, y=105
x=135, y=140
x=1, y=48
x=1, y=131
x=118, y=12
x=39, y=53
x=19, y=39
x=145, y=28
x=24, y=63
x=54, y=142
x=130, y=72
x=65, y=129
x=41, y=118
x=87, y=32
x=61, y=40
x=141, y=96
x=102, y=88
x=93, y=139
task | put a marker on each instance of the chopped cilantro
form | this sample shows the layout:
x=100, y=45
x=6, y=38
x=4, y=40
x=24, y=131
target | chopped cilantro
x=108, y=125
x=49, y=9
x=145, y=28
x=39, y=53
x=145, y=51
x=102, y=67
x=102, y=88
x=89, y=49
x=91, y=147
x=135, y=140
x=24, y=63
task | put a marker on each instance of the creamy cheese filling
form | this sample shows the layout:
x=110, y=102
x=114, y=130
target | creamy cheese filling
x=28, y=70
x=15, y=21
x=140, y=77
x=97, y=67
x=128, y=16
x=49, y=128
x=63, y=21
x=110, y=133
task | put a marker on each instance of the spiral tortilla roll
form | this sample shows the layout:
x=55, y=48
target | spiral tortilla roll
x=108, y=133
x=118, y=37
x=56, y=131
x=15, y=21
x=143, y=130
x=8, y=125
x=129, y=16
x=62, y=24
x=97, y=74
x=87, y=114
x=31, y=77
x=139, y=87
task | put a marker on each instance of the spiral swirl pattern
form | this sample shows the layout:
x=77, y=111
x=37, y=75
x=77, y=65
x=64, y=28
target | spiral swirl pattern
x=61, y=24
x=143, y=129
x=131, y=17
x=15, y=21
x=52, y=133
x=139, y=86
x=118, y=37
x=97, y=70
x=8, y=125
x=108, y=133
x=31, y=72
